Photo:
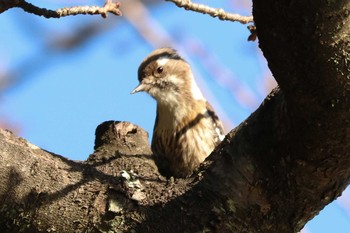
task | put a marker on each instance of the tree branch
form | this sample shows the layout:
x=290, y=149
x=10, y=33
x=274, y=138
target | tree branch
x=220, y=13
x=109, y=7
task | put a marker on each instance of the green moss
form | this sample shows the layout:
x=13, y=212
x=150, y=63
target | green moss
x=230, y=204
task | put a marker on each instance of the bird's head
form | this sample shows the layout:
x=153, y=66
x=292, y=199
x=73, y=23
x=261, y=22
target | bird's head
x=167, y=77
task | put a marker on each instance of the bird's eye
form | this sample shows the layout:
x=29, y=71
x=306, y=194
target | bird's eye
x=160, y=69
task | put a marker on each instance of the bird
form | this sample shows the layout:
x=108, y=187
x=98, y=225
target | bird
x=186, y=128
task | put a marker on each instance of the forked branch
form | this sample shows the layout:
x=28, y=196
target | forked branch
x=109, y=7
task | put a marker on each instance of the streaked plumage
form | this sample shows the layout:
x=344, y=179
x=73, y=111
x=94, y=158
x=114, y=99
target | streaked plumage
x=186, y=129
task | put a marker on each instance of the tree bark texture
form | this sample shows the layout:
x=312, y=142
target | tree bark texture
x=272, y=173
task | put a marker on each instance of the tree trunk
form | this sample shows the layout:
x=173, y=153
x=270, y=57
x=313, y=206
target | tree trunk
x=272, y=173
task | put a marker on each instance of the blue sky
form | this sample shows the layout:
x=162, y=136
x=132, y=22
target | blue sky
x=63, y=94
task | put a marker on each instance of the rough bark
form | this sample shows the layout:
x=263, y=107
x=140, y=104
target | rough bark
x=272, y=173
x=307, y=48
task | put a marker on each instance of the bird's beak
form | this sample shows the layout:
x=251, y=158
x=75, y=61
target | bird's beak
x=140, y=87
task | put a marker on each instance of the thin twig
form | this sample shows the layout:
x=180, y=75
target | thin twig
x=214, y=12
x=7, y=4
x=110, y=6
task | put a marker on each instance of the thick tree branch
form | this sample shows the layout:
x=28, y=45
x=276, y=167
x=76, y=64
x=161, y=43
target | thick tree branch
x=220, y=13
x=109, y=7
x=44, y=192
x=307, y=52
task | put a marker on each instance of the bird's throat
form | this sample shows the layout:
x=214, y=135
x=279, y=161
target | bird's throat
x=174, y=116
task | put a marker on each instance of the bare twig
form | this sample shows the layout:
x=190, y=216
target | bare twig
x=110, y=6
x=6, y=4
x=214, y=12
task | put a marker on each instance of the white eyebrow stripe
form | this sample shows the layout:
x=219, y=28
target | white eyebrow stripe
x=162, y=61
